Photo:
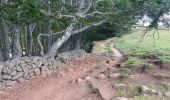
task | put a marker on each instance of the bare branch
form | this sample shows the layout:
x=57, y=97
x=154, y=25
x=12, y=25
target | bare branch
x=40, y=43
x=87, y=27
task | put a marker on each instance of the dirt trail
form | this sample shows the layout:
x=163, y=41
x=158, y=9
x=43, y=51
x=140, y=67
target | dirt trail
x=70, y=83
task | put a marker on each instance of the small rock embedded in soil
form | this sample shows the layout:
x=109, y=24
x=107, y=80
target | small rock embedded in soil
x=79, y=80
x=114, y=75
x=167, y=94
x=62, y=73
x=101, y=76
x=88, y=78
x=120, y=98
x=144, y=88
x=70, y=70
x=120, y=86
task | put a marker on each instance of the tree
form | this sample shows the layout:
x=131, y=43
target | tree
x=41, y=27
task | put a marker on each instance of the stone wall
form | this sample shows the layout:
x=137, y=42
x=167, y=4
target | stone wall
x=19, y=70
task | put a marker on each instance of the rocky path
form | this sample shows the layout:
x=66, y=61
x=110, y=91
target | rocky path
x=71, y=83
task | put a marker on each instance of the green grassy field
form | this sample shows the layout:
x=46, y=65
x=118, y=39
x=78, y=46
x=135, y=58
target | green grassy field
x=158, y=46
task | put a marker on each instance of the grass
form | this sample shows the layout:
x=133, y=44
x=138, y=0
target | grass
x=104, y=47
x=150, y=97
x=159, y=47
x=133, y=62
x=166, y=85
x=131, y=91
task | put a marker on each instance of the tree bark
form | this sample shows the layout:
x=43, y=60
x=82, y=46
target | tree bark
x=31, y=40
x=54, y=49
x=5, y=40
x=17, y=50
x=26, y=40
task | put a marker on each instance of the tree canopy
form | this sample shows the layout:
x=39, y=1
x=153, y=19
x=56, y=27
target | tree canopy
x=41, y=27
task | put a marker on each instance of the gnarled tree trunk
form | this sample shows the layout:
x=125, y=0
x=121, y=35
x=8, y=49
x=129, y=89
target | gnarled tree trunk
x=17, y=50
x=5, y=40
x=54, y=49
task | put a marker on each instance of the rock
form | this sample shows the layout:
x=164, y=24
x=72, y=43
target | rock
x=84, y=69
x=44, y=68
x=132, y=76
x=20, y=80
x=13, y=73
x=48, y=72
x=10, y=82
x=4, y=70
x=27, y=77
x=1, y=66
x=6, y=77
x=18, y=75
x=31, y=74
x=19, y=69
x=70, y=70
x=8, y=70
x=2, y=85
x=50, y=67
x=120, y=98
x=62, y=73
x=101, y=76
x=120, y=86
x=25, y=71
x=35, y=59
x=108, y=61
x=26, y=60
x=39, y=64
x=10, y=64
x=153, y=91
x=144, y=88
x=114, y=75
x=33, y=66
x=37, y=71
x=167, y=94
x=88, y=78
x=79, y=80
x=44, y=63
x=159, y=93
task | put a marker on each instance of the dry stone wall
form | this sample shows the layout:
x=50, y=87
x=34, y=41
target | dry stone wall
x=19, y=70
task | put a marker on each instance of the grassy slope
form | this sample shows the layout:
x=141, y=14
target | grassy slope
x=129, y=44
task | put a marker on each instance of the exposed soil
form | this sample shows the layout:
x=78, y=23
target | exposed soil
x=72, y=82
